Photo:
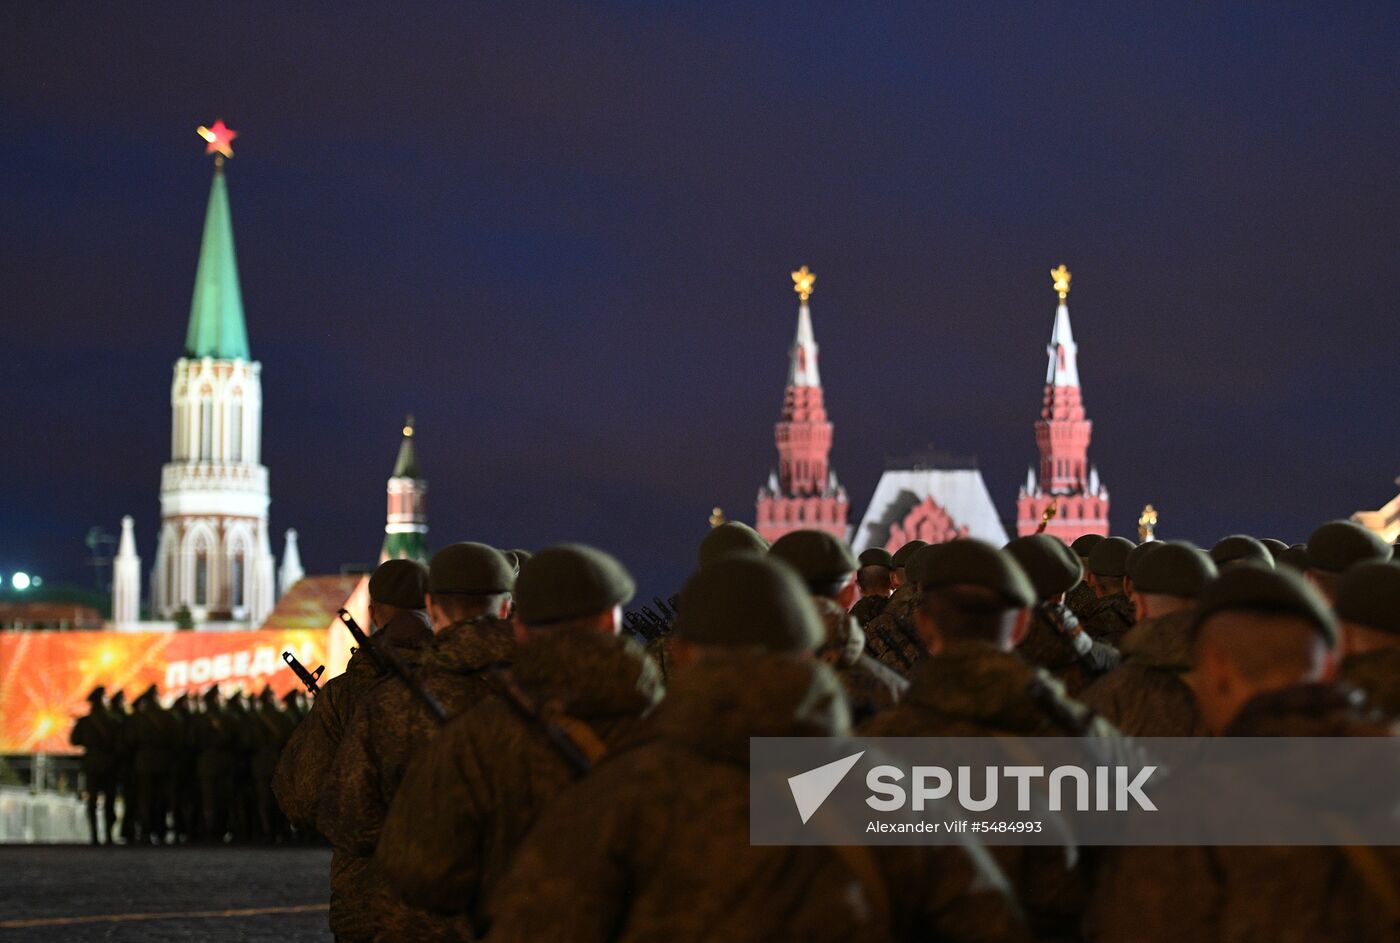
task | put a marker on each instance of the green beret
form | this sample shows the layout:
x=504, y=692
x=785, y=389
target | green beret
x=96, y=695
x=1295, y=556
x=902, y=555
x=730, y=537
x=1252, y=588
x=747, y=601
x=1240, y=548
x=1274, y=546
x=521, y=555
x=1109, y=557
x=966, y=561
x=1135, y=555
x=399, y=583
x=1085, y=544
x=1369, y=595
x=876, y=556
x=470, y=568
x=570, y=581
x=1051, y=566
x=818, y=557
x=1338, y=545
x=1176, y=568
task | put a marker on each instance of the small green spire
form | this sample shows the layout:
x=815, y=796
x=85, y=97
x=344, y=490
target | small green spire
x=216, y=314
x=407, y=464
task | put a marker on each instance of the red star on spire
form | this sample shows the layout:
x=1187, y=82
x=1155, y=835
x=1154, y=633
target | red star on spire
x=219, y=138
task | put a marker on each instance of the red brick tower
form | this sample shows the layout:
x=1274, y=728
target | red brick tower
x=1066, y=478
x=803, y=494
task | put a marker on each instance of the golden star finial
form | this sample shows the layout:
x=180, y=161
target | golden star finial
x=408, y=427
x=1147, y=524
x=802, y=281
x=717, y=516
x=1061, y=277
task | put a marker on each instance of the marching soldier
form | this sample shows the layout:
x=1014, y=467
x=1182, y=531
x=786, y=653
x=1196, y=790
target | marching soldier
x=1111, y=618
x=1055, y=640
x=1082, y=599
x=97, y=733
x=1336, y=547
x=890, y=637
x=875, y=578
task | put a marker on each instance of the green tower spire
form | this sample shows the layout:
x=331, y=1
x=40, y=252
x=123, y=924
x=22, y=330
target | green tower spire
x=216, y=314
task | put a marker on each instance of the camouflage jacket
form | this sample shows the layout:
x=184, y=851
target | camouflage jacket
x=868, y=607
x=1147, y=695
x=891, y=638
x=1110, y=620
x=1082, y=600
x=469, y=796
x=1377, y=673
x=1046, y=646
x=870, y=686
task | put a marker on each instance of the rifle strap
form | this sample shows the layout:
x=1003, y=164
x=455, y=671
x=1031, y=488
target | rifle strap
x=551, y=720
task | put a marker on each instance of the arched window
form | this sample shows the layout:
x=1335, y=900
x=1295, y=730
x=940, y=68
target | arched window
x=201, y=577
x=235, y=431
x=236, y=587
x=206, y=429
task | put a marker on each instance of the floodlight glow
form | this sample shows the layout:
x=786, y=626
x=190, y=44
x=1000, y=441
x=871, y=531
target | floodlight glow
x=20, y=581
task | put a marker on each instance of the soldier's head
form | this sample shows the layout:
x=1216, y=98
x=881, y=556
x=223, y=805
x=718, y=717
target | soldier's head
x=118, y=701
x=1131, y=564
x=900, y=561
x=876, y=574
x=1336, y=547
x=1171, y=579
x=1240, y=548
x=1257, y=630
x=96, y=696
x=1368, y=606
x=1084, y=545
x=1052, y=568
x=397, y=586
x=571, y=586
x=730, y=537
x=745, y=603
x=1108, y=565
x=970, y=592
x=823, y=561
x=467, y=580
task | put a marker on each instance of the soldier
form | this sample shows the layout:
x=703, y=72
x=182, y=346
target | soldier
x=1295, y=556
x=1131, y=563
x=155, y=736
x=126, y=770
x=1148, y=695
x=1336, y=547
x=875, y=579
x=469, y=593
x=654, y=844
x=1082, y=599
x=1275, y=547
x=1368, y=605
x=399, y=621
x=184, y=773
x=900, y=559
x=271, y=728
x=96, y=732
x=1241, y=548
x=1112, y=617
x=730, y=537
x=974, y=609
x=575, y=690
x=826, y=565
x=890, y=637
x=217, y=739
x=1056, y=641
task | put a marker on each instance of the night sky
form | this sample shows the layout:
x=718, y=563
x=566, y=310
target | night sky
x=561, y=236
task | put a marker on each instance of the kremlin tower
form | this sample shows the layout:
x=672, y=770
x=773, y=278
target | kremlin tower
x=213, y=557
x=406, y=524
x=1068, y=499
x=803, y=494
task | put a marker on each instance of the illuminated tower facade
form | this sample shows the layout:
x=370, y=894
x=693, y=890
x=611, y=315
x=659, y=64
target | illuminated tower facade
x=804, y=493
x=1067, y=487
x=406, y=524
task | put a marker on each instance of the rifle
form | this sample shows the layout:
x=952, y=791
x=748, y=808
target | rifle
x=389, y=662
x=573, y=752
x=308, y=678
x=647, y=625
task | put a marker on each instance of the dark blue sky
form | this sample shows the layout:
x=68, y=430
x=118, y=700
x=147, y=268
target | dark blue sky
x=560, y=236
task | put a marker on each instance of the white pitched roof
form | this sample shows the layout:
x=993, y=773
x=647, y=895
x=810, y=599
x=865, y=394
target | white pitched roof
x=802, y=366
x=960, y=491
x=1063, y=369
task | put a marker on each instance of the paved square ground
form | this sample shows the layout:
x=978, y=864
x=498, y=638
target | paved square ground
x=159, y=894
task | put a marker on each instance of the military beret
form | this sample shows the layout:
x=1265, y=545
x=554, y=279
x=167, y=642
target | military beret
x=470, y=568
x=1051, y=566
x=96, y=695
x=1252, y=588
x=747, y=601
x=1338, y=545
x=1134, y=558
x=1295, y=556
x=902, y=556
x=1084, y=545
x=569, y=581
x=876, y=556
x=730, y=537
x=818, y=557
x=1274, y=546
x=1240, y=548
x=966, y=561
x=1369, y=594
x=517, y=559
x=1175, y=568
x=1109, y=557
x=399, y=583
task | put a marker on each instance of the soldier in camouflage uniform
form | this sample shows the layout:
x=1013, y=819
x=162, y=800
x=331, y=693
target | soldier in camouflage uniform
x=469, y=796
x=1368, y=605
x=890, y=637
x=826, y=565
x=975, y=606
x=155, y=735
x=398, y=618
x=1111, y=618
x=96, y=732
x=654, y=844
x=875, y=579
x=1262, y=646
x=216, y=740
x=1148, y=695
x=469, y=593
x=1082, y=599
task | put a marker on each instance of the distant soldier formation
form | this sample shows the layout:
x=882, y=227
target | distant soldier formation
x=512, y=757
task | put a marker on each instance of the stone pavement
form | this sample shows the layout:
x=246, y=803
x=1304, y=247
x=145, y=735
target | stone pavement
x=214, y=893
